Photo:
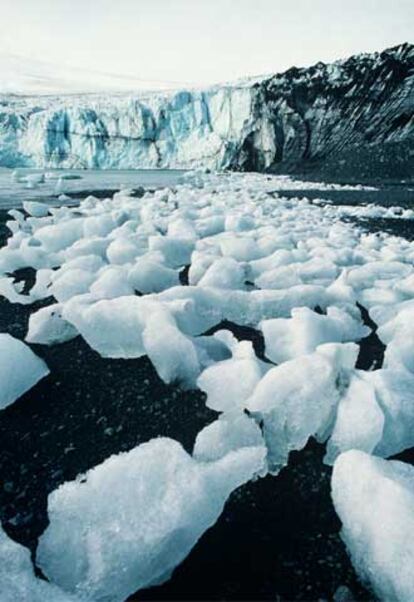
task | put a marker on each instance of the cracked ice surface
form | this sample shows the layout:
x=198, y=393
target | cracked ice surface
x=290, y=268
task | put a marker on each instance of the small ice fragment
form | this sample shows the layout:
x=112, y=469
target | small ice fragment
x=20, y=369
x=36, y=209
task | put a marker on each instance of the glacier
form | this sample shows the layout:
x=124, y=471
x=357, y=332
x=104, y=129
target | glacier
x=182, y=129
x=354, y=112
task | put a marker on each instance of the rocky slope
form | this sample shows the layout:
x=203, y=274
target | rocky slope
x=352, y=116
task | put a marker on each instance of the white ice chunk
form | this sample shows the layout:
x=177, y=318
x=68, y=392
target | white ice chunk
x=224, y=273
x=36, y=209
x=211, y=306
x=200, y=262
x=210, y=226
x=210, y=350
x=40, y=289
x=61, y=235
x=130, y=327
x=47, y=327
x=18, y=583
x=131, y=520
x=359, y=421
x=112, y=282
x=406, y=286
x=113, y=327
x=11, y=260
x=229, y=433
x=279, y=278
x=230, y=383
x=340, y=291
x=366, y=275
x=379, y=296
x=398, y=334
x=298, y=399
x=241, y=248
x=172, y=353
x=90, y=263
x=181, y=228
x=239, y=222
x=150, y=276
x=177, y=251
x=20, y=369
x=399, y=353
x=100, y=225
x=90, y=246
x=279, y=258
x=68, y=283
x=10, y=291
x=374, y=499
x=306, y=329
x=395, y=394
x=123, y=250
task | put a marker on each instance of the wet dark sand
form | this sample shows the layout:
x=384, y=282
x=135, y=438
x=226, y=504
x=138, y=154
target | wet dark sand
x=277, y=539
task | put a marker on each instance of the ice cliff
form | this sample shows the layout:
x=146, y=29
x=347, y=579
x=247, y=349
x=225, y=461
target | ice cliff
x=354, y=113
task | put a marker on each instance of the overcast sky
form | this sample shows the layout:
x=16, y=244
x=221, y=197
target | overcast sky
x=200, y=41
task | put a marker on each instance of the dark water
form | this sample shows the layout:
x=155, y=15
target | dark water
x=277, y=539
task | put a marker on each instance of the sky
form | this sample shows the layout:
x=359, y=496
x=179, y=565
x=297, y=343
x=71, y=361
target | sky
x=199, y=42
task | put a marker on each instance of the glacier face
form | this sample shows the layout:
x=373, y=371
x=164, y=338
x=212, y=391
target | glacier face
x=356, y=112
x=178, y=130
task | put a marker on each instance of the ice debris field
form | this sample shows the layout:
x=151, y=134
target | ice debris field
x=159, y=276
